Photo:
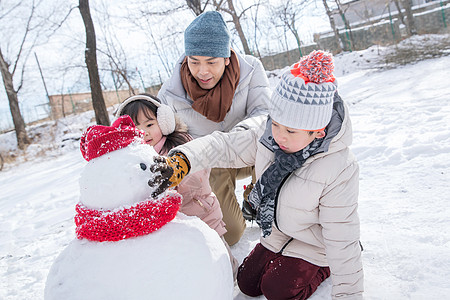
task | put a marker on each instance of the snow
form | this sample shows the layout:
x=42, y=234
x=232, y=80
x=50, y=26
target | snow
x=400, y=117
x=160, y=264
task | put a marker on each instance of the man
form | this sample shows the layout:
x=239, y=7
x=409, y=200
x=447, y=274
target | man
x=213, y=88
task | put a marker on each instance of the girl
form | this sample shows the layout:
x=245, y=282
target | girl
x=164, y=131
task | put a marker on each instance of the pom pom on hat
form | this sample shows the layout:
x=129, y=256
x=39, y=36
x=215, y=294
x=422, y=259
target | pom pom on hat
x=316, y=67
x=303, y=99
x=98, y=139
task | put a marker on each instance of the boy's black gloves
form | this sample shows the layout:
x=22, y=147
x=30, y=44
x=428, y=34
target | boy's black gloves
x=171, y=170
x=247, y=210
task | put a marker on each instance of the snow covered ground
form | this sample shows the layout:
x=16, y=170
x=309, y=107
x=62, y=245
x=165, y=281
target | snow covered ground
x=401, y=119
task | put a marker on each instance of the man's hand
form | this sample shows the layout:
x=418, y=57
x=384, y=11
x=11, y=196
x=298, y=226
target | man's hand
x=171, y=171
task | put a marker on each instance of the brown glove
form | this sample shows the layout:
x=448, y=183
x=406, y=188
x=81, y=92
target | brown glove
x=171, y=170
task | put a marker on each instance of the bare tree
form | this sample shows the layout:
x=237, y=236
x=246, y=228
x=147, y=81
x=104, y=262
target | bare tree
x=121, y=72
x=409, y=23
x=63, y=108
x=348, y=30
x=399, y=10
x=163, y=29
x=112, y=49
x=333, y=26
x=279, y=33
x=255, y=22
x=197, y=6
x=25, y=26
x=288, y=12
x=19, y=123
x=236, y=20
x=9, y=69
x=411, y=27
x=101, y=113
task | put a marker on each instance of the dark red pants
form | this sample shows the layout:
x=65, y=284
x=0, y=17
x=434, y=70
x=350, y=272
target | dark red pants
x=279, y=277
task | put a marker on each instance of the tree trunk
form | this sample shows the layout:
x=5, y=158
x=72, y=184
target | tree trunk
x=400, y=14
x=101, y=114
x=297, y=39
x=256, y=27
x=348, y=30
x=196, y=6
x=237, y=25
x=19, y=124
x=409, y=17
x=337, y=41
x=63, y=111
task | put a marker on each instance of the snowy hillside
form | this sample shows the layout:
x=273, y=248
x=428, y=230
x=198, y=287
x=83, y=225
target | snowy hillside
x=401, y=137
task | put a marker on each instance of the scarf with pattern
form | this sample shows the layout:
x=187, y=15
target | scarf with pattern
x=262, y=197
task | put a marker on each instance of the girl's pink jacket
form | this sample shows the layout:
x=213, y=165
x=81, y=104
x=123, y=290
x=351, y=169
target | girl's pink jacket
x=198, y=198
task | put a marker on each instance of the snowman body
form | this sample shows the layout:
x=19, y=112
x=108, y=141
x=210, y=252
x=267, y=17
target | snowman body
x=184, y=259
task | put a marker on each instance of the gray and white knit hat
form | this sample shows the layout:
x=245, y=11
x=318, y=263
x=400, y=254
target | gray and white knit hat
x=303, y=99
x=207, y=35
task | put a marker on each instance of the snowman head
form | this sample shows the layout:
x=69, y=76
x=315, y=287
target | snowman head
x=117, y=172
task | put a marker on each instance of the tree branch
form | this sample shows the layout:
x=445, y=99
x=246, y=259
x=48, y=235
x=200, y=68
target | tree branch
x=10, y=10
x=27, y=30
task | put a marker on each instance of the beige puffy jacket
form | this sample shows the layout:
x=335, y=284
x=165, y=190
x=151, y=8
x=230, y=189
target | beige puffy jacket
x=250, y=98
x=316, y=209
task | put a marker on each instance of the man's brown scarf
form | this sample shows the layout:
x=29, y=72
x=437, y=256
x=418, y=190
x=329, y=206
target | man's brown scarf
x=214, y=103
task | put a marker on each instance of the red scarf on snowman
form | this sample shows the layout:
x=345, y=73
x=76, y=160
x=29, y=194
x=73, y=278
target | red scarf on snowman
x=126, y=222
x=140, y=219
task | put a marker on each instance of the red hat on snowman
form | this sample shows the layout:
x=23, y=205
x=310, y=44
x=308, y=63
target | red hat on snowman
x=98, y=139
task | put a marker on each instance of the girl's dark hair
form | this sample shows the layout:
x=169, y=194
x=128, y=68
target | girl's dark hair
x=176, y=138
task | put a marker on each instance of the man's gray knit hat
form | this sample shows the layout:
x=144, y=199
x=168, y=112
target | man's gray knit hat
x=207, y=35
x=303, y=99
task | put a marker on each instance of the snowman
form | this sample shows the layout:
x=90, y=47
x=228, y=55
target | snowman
x=130, y=245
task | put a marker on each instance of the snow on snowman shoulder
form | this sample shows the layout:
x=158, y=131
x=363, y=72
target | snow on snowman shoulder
x=130, y=245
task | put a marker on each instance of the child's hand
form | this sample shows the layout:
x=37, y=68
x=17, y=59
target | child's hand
x=172, y=170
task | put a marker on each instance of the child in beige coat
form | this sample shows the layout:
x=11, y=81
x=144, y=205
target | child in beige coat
x=306, y=196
